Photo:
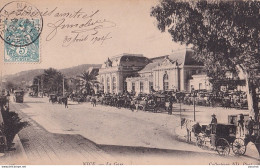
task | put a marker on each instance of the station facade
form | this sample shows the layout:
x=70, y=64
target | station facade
x=139, y=74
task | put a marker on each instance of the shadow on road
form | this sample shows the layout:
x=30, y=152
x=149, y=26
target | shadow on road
x=135, y=150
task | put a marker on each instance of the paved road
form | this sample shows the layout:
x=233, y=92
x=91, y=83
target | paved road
x=82, y=133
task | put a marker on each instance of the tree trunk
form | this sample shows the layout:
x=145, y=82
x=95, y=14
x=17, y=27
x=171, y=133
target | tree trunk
x=252, y=98
x=252, y=104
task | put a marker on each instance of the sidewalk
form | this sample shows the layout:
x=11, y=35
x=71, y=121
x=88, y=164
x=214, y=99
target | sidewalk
x=43, y=147
x=16, y=156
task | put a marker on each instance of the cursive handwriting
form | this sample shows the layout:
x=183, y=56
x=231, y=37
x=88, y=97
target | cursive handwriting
x=68, y=40
x=77, y=14
x=86, y=30
x=90, y=26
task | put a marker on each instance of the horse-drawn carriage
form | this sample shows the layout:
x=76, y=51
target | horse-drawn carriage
x=222, y=137
x=18, y=96
x=154, y=102
x=106, y=100
x=203, y=99
x=53, y=98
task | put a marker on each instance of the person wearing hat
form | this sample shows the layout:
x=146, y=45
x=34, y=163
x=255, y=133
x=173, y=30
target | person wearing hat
x=241, y=124
x=250, y=125
x=214, y=119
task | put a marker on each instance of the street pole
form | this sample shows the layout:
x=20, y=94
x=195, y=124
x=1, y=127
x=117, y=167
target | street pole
x=63, y=86
x=180, y=114
x=158, y=77
x=42, y=85
x=194, y=105
x=38, y=86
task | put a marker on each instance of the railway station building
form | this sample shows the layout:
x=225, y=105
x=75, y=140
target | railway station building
x=139, y=74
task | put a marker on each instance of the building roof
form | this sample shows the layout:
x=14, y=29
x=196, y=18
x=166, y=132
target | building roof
x=154, y=62
x=125, y=54
x=127, y=60
x=182, y=57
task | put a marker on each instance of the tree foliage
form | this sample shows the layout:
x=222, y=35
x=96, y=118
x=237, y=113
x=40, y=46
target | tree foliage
x=223, y=34
x=50, y=81
x=10, y=85
x=88, y=81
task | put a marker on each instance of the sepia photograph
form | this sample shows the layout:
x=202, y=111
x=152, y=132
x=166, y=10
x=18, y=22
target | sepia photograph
x=130, y=82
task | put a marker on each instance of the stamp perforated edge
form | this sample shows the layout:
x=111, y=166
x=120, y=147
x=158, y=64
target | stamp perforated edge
x=15, y=62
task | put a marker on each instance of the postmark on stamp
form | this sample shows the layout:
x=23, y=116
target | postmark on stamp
x=20, y=27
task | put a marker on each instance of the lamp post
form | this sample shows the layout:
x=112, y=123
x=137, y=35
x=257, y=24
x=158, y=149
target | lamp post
x=39, y=79
x=180, y=107
x=42, y=84
x=63, y=85
x=194, y=103
x=158, y=77
x=38, y=86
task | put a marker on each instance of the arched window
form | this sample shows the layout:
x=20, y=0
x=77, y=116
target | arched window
x=108, y=85
x=165, y=81
x=114, y=84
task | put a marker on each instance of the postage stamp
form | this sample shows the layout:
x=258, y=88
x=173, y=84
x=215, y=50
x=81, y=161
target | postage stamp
x=20, y=27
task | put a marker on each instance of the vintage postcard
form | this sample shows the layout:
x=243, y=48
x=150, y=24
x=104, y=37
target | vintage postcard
x=133, y=82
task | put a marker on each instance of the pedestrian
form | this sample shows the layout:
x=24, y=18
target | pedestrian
x=170, y=105
x=241, y=124
x=214, y=119
x=250, y=125
x=66, y=102
x=94, y=102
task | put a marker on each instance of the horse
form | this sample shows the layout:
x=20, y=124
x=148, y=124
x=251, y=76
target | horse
x=188, y=124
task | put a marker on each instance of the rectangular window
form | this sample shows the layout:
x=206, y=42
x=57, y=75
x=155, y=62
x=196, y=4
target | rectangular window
x=151, y=87
x=133, y=86
x=108, y=85
x=200, y=86
x=141, y=86
x=114, y=85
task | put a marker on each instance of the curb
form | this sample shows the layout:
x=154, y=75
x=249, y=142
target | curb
x=18, y=143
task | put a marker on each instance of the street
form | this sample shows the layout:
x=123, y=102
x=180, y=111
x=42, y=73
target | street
x=82, y=134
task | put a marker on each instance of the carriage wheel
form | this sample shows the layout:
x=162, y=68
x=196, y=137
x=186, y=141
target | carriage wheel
x=200, y=142
x=222, y=147
x=239, y=147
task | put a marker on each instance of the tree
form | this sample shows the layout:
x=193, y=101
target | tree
x=51, y=81
x=37, y=83
x=10, y=86
x=89, y=81
x=224, y=36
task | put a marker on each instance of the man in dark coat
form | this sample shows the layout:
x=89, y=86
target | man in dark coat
x=214, y=119
x=66, y=102
x=170, y=105
x=241, y=124
x=250, y=125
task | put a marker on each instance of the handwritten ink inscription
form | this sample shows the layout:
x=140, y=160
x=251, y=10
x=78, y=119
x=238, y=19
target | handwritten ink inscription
x=79, y=27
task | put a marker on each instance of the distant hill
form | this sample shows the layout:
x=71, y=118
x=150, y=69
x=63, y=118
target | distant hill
x=77, y=70
x=27, y=76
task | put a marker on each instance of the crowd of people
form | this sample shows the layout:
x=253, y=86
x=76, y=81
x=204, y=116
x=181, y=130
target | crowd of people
x=166, y=99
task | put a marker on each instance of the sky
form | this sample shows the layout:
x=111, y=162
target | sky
x=129, y=29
